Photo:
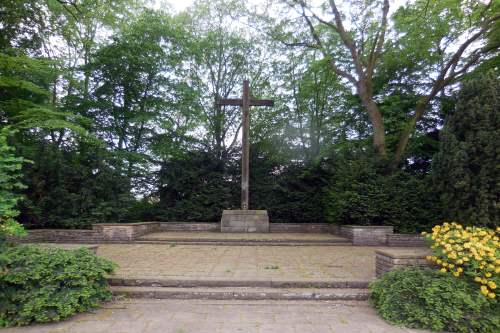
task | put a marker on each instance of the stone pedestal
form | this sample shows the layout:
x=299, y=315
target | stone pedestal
x=244, y=221
x=389, y=259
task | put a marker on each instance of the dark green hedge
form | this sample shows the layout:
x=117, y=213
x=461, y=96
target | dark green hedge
x=362, y=192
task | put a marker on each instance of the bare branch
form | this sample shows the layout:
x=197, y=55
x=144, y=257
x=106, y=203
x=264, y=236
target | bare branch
x=342, y=73
x=301, y=44
x=64, y=5
x=379, y=41
x=346, y=39
x=311, y=26
x=316, y=37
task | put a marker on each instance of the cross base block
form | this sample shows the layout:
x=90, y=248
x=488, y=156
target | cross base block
x=244, y=221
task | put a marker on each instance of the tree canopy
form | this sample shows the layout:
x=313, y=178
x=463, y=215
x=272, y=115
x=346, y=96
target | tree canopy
x=114, y=104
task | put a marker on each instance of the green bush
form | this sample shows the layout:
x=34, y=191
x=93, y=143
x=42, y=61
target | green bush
x=427, y=298
x=43, y=285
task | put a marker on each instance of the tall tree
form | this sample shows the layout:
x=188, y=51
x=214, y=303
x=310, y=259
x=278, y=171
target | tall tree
x=139, y=88
x=466, y=167
x=355, y=43
x=225, y=55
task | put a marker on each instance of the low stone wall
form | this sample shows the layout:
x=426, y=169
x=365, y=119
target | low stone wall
x=103, y=232
x=188, y=226
x=389, y=259
x=60, y=235
x=406, y=240
x=124, y=231
x=366, y=235
x=313, y=228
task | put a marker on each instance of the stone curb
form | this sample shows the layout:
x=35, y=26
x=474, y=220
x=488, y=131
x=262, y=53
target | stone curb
x=241, y=294
x=259, y=241
x=218, y=243
x=243, y=243
x=194, y=283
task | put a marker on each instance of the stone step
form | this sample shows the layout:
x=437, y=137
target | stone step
x=242, y=293
x=225, y=283
x=242, y=242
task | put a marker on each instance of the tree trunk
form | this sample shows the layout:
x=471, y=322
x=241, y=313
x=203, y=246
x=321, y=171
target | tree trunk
x=375, y=118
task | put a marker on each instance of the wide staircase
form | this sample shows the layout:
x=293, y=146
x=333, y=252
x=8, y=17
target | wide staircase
x=240, y=290
x=254, y=277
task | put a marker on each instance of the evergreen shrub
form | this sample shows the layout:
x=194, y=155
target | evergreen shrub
x=43, y=285
x=429, y=299
x=466, y=168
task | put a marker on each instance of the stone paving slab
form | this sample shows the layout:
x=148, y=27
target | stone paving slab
x=265, y=263
x=199, y=316
x=242, y=236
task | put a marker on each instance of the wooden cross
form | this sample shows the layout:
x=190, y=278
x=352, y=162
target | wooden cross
x=245, y=102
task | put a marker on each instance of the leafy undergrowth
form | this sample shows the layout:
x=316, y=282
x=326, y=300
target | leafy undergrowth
x=430, y=299
x=44, y=285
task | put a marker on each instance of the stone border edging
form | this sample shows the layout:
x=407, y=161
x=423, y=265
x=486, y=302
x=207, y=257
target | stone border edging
x=389, y=259
x=213, y=283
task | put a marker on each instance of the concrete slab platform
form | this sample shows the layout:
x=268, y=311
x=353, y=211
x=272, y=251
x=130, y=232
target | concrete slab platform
x=236, y=263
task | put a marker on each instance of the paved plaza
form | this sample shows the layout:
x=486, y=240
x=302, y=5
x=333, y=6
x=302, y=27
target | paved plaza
x=183, y=262
x=197, y=316
x=284, y=263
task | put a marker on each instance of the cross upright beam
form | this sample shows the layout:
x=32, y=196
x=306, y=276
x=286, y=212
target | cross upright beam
x=245, y=102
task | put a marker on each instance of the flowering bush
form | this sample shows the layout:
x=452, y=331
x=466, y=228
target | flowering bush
x=472, y=253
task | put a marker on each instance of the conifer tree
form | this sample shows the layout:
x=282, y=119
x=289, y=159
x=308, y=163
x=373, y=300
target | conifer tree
x=467, y=165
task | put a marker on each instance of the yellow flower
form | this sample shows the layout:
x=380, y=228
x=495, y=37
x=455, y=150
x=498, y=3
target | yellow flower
x=488, y=274
x=491, y=295
x=443, y=270
x=477, y=279
x=492, y=285
x=484, y=290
